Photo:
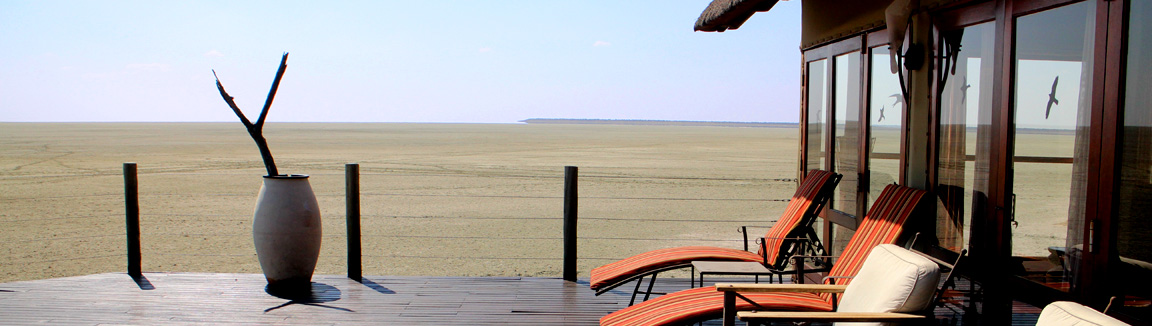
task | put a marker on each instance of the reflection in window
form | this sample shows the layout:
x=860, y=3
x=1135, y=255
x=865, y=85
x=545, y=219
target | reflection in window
x=817, y=115
x=886, y=113
x=965, y=104
x=847, y=135
x=1052, y=114
x=817, y=110
x=1133, y=244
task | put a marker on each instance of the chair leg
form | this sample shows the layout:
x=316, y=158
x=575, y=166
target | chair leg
x=635, y=291
x=647, y=293
x=651, y=282
x=692, y=278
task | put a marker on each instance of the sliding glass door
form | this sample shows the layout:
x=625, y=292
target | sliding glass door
x=1051, y=137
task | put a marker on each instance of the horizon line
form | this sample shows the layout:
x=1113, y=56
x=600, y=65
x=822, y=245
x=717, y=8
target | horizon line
x=525, y=121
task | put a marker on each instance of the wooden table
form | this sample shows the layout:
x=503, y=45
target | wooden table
x=730, y=268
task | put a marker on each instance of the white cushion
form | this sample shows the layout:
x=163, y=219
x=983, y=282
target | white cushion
x=1065, y=313
x=893, y=279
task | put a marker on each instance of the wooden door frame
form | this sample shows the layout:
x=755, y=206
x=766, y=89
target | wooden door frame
x=991, y=232
x=1102, y=229
x=851, y=45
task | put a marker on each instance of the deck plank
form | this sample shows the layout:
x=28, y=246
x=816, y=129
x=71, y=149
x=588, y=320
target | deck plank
x=240, y=299
x=202, y=298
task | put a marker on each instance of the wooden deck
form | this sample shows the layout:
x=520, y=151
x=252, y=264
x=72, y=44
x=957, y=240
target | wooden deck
x=188, y=298
x=215, y=299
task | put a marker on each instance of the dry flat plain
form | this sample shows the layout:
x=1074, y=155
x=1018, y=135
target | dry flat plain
x=437, y=199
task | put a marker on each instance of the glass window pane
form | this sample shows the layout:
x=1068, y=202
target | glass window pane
x=1052, y=113
x=1133, y=245
x=886, y=113
x=846, y=142
x=966, y=97
x=847, y=117
x=817, y=94
x=817, y=110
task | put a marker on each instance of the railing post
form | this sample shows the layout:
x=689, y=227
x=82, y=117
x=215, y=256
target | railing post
x=570, y=201
x=352, y=192
x=132, y=219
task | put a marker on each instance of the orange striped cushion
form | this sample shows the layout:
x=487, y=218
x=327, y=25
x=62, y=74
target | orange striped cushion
x=642, y=263
x=784, y=227
x=706, y=302
x=801, y=201
x=883, y=224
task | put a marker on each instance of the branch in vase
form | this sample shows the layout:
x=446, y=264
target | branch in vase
x=256, y=130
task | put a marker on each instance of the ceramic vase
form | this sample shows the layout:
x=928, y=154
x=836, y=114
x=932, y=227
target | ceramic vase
x=286, y=231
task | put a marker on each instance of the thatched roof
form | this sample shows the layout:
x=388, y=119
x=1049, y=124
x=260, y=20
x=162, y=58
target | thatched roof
x=824, y=21
x=722, y=15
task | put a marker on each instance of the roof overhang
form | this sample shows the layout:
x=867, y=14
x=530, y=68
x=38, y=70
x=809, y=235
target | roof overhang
x=824, y=21
x=722, y=15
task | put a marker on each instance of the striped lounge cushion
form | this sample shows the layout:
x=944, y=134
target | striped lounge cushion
x=794, y=214
x=883, y=224
x=656, y=259
x=646, y=262
x=706, y=303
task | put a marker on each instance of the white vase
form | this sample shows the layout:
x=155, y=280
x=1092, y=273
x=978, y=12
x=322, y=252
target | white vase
x=286, y=230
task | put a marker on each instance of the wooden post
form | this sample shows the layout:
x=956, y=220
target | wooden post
x=570, y=201
x=352, y=192
x=132, y=219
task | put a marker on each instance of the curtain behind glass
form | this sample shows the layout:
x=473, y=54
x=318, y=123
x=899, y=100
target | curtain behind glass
x=1133, y=254
x=1074, y=239
x=965, y=95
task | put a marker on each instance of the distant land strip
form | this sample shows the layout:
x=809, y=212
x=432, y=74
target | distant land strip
x=663, y=123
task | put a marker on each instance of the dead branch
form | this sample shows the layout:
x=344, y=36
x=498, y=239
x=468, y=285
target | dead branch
x=256, y=130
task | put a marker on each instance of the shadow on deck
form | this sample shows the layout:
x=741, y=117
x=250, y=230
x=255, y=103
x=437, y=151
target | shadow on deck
x=192, y=298
x=200, y=298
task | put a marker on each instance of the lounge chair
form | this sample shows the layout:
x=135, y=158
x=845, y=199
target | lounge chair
x=1066, y=313
x=884, y=223
x=791, y=233
x=893, y=285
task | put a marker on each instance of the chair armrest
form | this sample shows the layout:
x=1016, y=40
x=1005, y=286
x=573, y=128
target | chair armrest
x=799, y=269
x=767, y=316
x=809, y=288
x=798, y=239
x=742, y=227
x=744, y=231
x=800, y=257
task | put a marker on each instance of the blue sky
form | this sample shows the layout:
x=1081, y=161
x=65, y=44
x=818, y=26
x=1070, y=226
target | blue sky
x=394, y=61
